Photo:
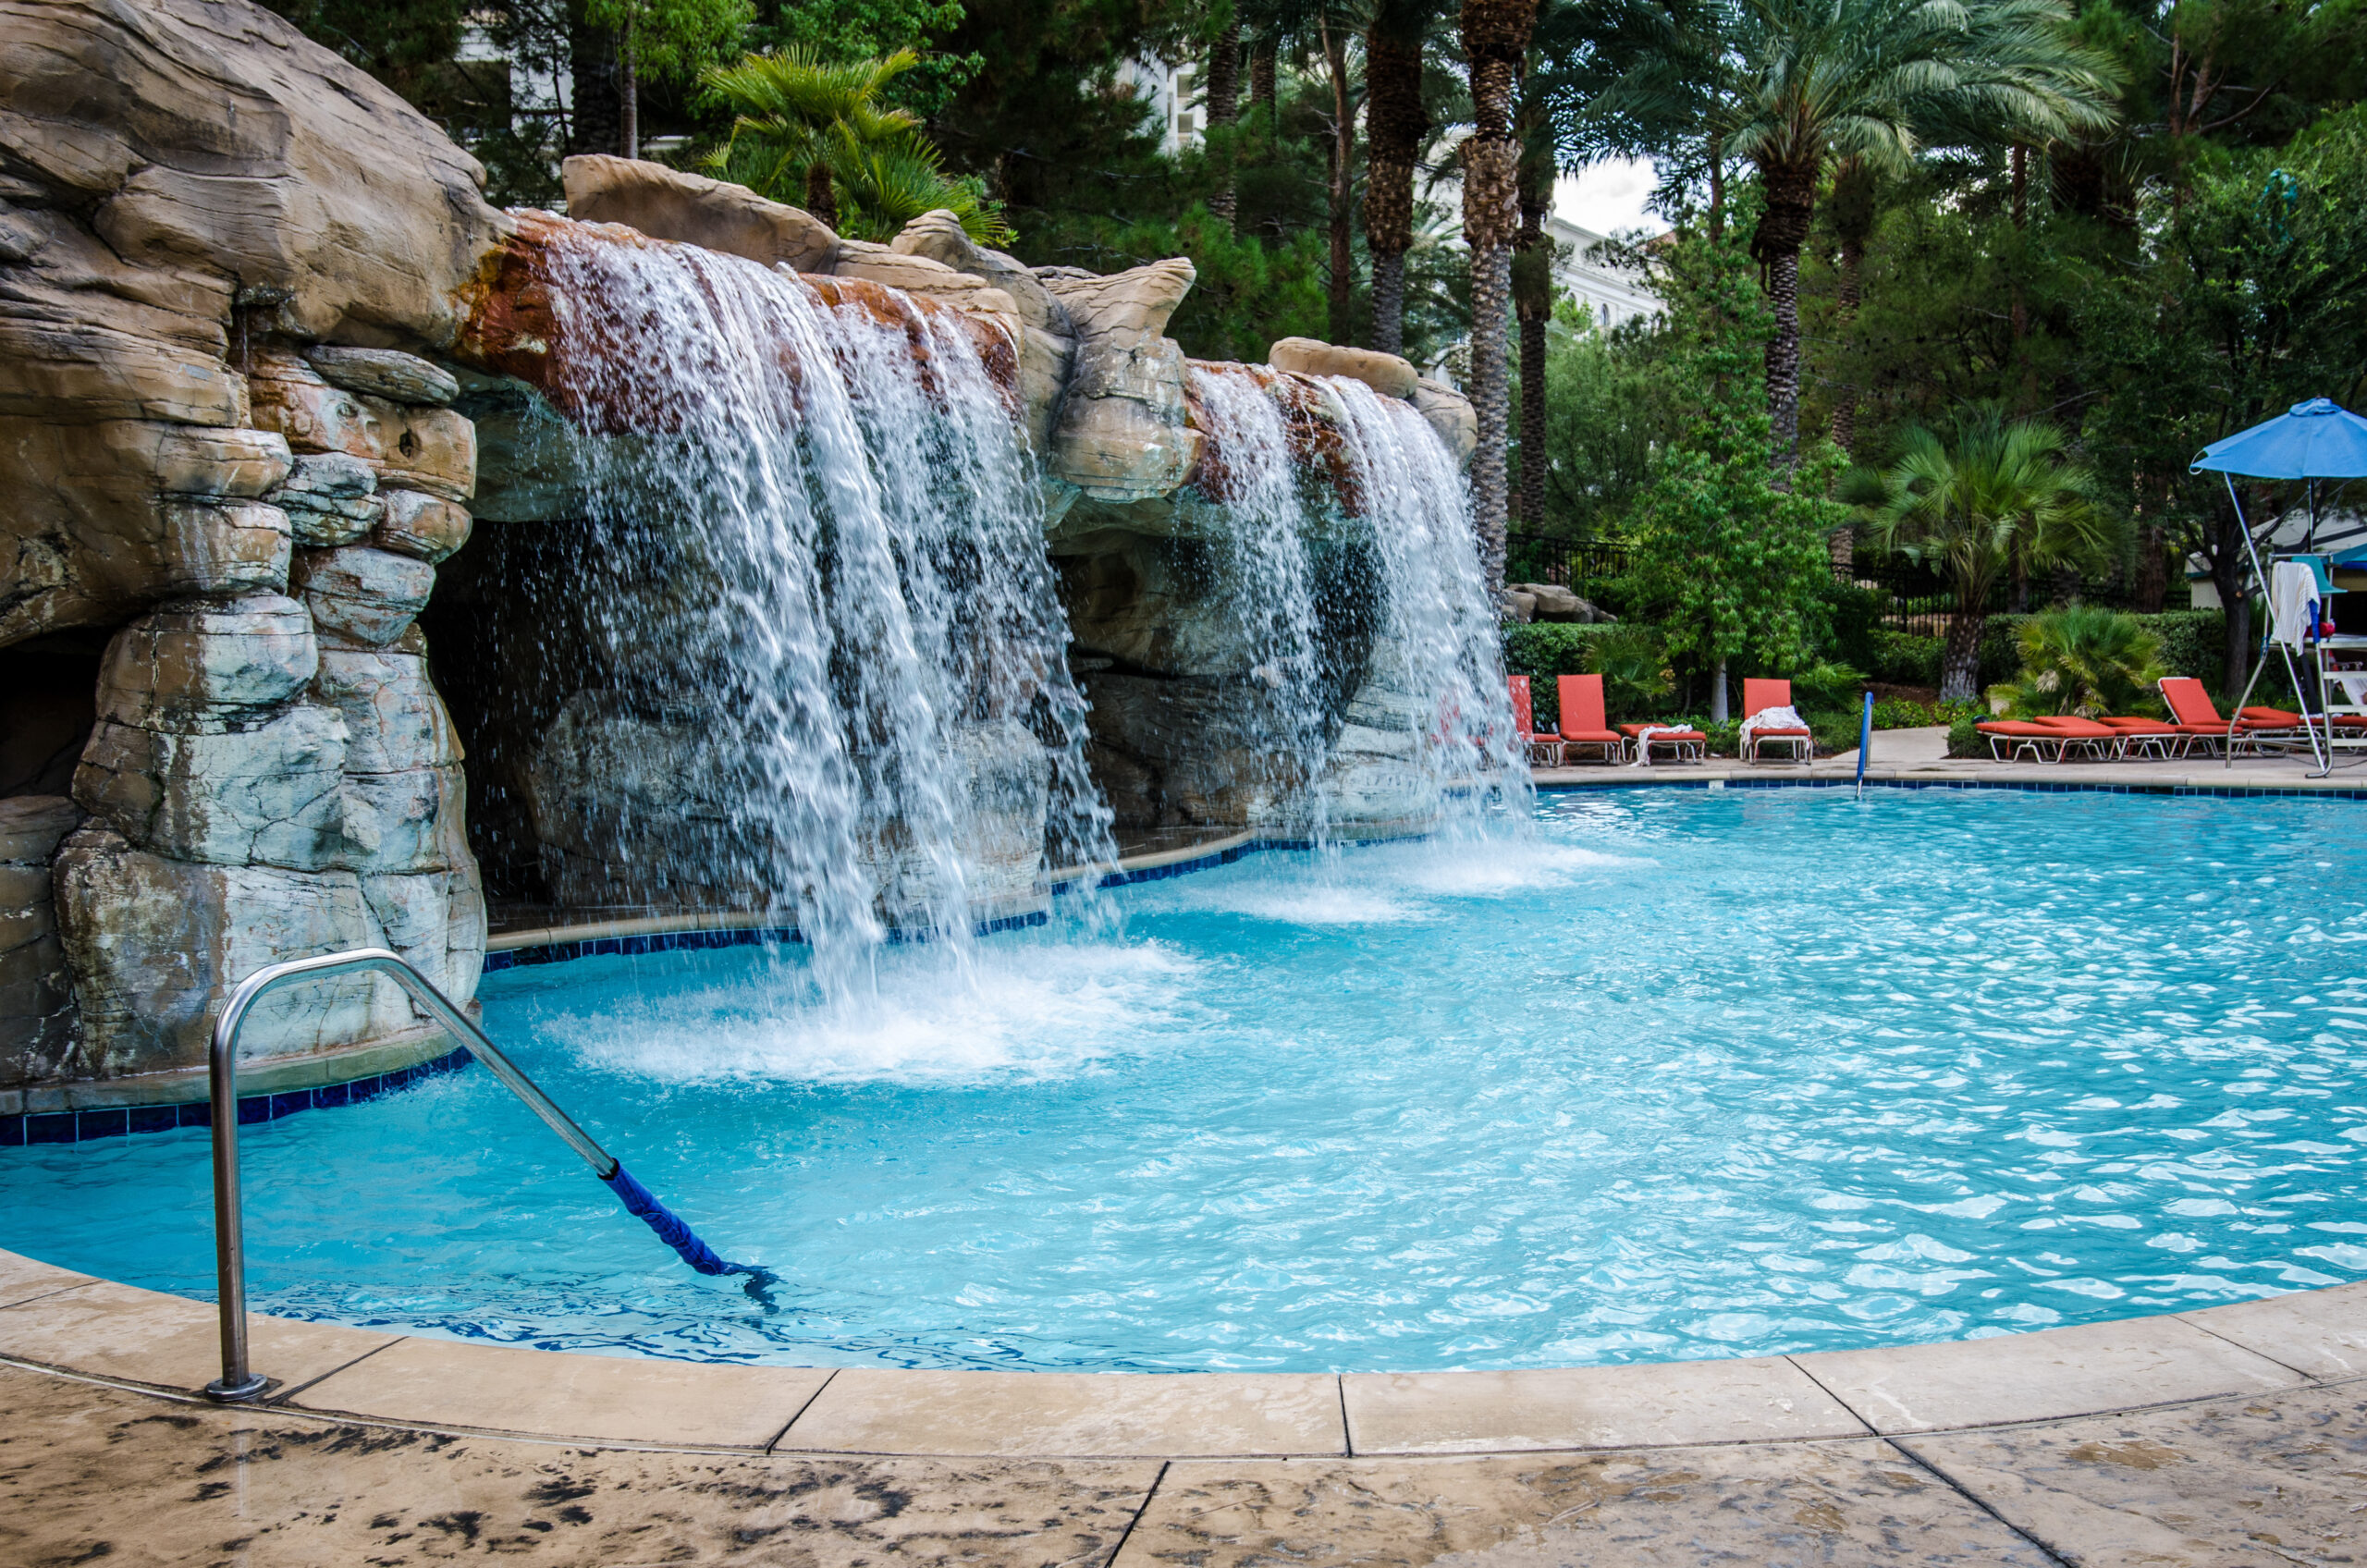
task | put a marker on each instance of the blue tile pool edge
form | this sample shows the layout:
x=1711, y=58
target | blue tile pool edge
x=114, y=1122
x=78, y=1126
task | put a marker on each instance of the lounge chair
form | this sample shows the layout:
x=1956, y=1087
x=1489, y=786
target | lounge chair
x=2196, y=715
x=1544, y=745
x=2148, y=736
x=1757, y=696
x=2049, y=738
x=1678, y=742
x=1582, y=720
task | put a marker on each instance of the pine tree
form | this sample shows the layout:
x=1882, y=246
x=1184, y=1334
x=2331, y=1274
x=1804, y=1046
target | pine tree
x=1733, y=560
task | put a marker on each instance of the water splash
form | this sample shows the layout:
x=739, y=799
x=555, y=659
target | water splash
x=829, y=682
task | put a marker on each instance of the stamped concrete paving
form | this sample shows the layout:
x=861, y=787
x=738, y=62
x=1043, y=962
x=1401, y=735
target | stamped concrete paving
x=92, y=1472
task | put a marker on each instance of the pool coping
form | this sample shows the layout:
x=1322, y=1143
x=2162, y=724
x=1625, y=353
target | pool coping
x=75, y=1325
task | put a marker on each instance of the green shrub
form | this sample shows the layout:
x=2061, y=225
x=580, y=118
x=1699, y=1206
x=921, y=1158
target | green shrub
x=1902, y=659
x=1628, y=657
x=2193, y=643
x=1964, y=740
x=2083, y=659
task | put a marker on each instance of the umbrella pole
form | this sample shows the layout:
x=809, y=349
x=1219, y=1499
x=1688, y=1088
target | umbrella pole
x=2309, y=726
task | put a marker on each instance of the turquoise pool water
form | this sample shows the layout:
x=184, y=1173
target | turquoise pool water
x=1683, y=1075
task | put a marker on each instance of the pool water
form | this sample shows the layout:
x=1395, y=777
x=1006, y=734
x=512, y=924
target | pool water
x=1682, y=1073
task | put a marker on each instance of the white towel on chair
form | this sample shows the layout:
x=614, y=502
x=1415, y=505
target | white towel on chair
x=1644, y=740
x=1773, y=718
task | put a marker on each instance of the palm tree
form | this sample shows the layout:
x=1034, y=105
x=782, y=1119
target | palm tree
x=1794, y=84
x=1968, y=508
x=1397, y=125
x=1495, y=42
x=2082, y=659
x=817, y=133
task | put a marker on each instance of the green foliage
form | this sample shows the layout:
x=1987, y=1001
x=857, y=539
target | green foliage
x=1732, y=563
x=2192, y=642
x=2082, y=660
x=1545, y=650
x=801, y=120
x=844, y=31
x=672, y=37
x=1964, y=740
x=1826, y=685
x=1606, y=410
x=1904, y=658
x=1633, y=661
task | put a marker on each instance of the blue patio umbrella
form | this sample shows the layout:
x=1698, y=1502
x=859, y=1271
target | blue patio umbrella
x=2313, y=440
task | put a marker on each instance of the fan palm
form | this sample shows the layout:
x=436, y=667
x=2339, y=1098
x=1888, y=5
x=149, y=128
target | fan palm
x=1967, y=507
x=817, y=132
x=2084, y=660
x=1794, y=84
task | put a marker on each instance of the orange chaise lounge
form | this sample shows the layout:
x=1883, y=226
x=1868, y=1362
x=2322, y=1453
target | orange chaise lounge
x=1582, y=720
x=1544, y=745
x=1757, y=696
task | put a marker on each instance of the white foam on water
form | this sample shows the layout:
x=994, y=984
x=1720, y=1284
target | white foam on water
x=929, y=1015
x=1390, y=884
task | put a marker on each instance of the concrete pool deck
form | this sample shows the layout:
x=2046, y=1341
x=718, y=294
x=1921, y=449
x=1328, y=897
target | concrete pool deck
x=2233, y=1434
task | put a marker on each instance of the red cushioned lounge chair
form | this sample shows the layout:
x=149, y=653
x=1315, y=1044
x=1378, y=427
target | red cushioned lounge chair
x=2197, y=716
x=2148, y=737
x=1544, y=745
x=1757, y=696
x=1678, y=742
x=1582, y=720
x=2050, y=739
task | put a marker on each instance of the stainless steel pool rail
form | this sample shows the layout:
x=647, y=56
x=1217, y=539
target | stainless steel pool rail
x=239, y=1381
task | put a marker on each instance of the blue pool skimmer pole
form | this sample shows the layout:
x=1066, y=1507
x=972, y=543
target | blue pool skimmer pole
x=239, y=1381
x=1865, y=743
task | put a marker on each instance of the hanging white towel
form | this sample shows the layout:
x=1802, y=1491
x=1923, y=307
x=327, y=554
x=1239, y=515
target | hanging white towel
x=2292, y=602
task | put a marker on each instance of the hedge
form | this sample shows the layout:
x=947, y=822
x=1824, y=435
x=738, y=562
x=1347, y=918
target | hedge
x=1546, y=649
x=2193, y=643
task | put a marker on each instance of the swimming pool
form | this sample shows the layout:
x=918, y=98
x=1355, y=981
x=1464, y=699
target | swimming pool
x=1683, y=1074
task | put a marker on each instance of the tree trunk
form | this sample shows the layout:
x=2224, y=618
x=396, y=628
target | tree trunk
x=1223, y=109
x=1495, y=41
x=1719, y=711
x=2229, y=568
x=1960, y=656
x=1261, y=80
x=592, y=67
x=1395, y=127
x=1782, y=228
x=821, y=195
x=1717, y=191
x=1533, y=307
x=2022, y=307
x=2153, y=569
x=1344, y=171
x=628, y=99
x=1853, y=213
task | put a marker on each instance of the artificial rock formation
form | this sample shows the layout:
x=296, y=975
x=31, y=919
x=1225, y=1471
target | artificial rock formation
x=218, y=247
x=266, y=368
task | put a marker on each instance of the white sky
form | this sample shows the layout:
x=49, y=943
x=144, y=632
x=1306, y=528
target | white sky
x=1609, y=196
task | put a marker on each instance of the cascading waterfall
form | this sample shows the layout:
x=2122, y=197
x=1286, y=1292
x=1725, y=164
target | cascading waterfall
x=1427, y=731
x=1269, y=584
x=1437, y=664
x=814, y=579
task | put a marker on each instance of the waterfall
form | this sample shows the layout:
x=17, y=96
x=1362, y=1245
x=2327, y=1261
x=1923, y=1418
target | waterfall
x=829, y=678
x=1268, y=585
x=1436, y=666
x=1422, y=729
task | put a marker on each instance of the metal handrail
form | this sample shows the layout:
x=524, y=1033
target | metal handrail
x=240, y=1382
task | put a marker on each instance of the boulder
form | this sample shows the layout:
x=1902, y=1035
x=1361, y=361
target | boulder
x=434, y=919
x=330, y=499
x=1385, y=374
x=940, y=237
x=360, y=595
x=208, y=667
x=156, y=943
x=1519, y=606
x=393, y=720
x=385, y=373
x=414, y=820
x=1553, y=602
x=669, y=204
x=1121, y=434
x=37, y=1014
x=267, y=794
x=221, y=547
x=417, y=448
x=211, y=141
x=420, y=525
x=1451, y=414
